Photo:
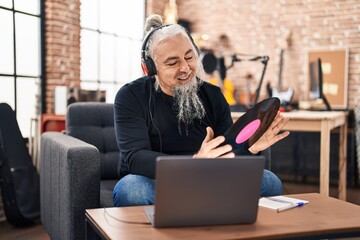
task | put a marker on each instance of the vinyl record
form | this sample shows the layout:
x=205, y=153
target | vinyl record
x=254, y=123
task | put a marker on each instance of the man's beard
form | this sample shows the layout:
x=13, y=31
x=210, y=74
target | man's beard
x=188, y=103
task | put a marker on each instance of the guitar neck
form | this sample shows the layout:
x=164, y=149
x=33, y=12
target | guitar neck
x=281, y=63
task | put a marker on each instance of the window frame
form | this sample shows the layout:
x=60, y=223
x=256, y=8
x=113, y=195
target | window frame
x=98, y=81
x=15, y=75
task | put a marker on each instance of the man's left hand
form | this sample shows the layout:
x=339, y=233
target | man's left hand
x=272, y=135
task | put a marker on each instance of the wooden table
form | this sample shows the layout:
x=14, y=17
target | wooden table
x=323, y=122
x=323, y=217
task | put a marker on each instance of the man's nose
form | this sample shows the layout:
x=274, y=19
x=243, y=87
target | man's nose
x=184, y=67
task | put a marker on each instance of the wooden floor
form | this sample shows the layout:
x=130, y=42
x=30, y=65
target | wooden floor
x=37, y=232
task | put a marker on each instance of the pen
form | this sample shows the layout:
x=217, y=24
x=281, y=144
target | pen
x=299, y=204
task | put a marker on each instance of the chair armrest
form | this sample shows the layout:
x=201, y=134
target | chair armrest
x=267, y=154
x=69, y=184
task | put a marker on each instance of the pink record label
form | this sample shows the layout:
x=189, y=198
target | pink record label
x=247, y=131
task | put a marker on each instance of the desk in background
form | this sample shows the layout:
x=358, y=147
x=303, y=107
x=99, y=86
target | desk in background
x=323, y=122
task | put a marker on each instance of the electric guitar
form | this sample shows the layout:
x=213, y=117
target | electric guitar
x=284, y=96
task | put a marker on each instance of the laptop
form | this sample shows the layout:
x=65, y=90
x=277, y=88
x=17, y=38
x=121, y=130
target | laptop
x=204, y=192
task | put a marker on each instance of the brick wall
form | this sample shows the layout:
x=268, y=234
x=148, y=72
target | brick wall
x=257, y=27
x=62, y=46
x=253, y=27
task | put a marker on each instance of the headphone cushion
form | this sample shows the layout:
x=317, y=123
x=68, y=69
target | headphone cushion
x=148, y=67
x=144, y=68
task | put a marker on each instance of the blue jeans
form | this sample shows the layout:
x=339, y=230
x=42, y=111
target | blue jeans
x=134, y=190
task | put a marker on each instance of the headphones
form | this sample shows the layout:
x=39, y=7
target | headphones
x=147, y=64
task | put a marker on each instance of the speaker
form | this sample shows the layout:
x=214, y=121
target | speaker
x=147, y=64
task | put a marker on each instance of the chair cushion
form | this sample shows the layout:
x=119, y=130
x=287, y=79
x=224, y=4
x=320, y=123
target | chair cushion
x=106, y=188
x=93, y=122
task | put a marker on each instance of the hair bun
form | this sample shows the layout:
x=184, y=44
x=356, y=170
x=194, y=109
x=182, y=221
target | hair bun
x=153, y=21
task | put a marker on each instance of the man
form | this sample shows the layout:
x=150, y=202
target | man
x=173, y=112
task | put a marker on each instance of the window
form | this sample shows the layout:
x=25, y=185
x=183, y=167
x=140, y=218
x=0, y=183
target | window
x=20, y=57
x=111, y=38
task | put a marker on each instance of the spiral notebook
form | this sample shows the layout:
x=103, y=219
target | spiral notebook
x=280, y=202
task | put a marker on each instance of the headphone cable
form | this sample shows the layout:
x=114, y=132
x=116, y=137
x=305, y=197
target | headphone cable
x=151, y=116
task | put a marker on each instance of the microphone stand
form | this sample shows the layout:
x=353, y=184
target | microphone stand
x=264, y=60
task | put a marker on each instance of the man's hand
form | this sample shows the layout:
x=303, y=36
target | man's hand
x=210, y=147
x=271, y=136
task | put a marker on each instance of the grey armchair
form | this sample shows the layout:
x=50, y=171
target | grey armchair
x=78, y=169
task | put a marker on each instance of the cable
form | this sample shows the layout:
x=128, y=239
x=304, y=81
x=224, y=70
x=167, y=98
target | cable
x=151, y=117
x=121, y=220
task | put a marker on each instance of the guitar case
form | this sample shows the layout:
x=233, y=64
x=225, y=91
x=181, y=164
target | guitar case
x=19, y=180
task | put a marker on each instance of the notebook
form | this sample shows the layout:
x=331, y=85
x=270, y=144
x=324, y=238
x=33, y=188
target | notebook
x=281, y=203
x=202, y=192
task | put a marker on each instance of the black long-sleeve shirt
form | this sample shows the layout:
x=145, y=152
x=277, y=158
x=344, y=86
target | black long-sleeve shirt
x=146, y=125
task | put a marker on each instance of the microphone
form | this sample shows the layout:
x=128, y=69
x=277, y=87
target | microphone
x=209, y=62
